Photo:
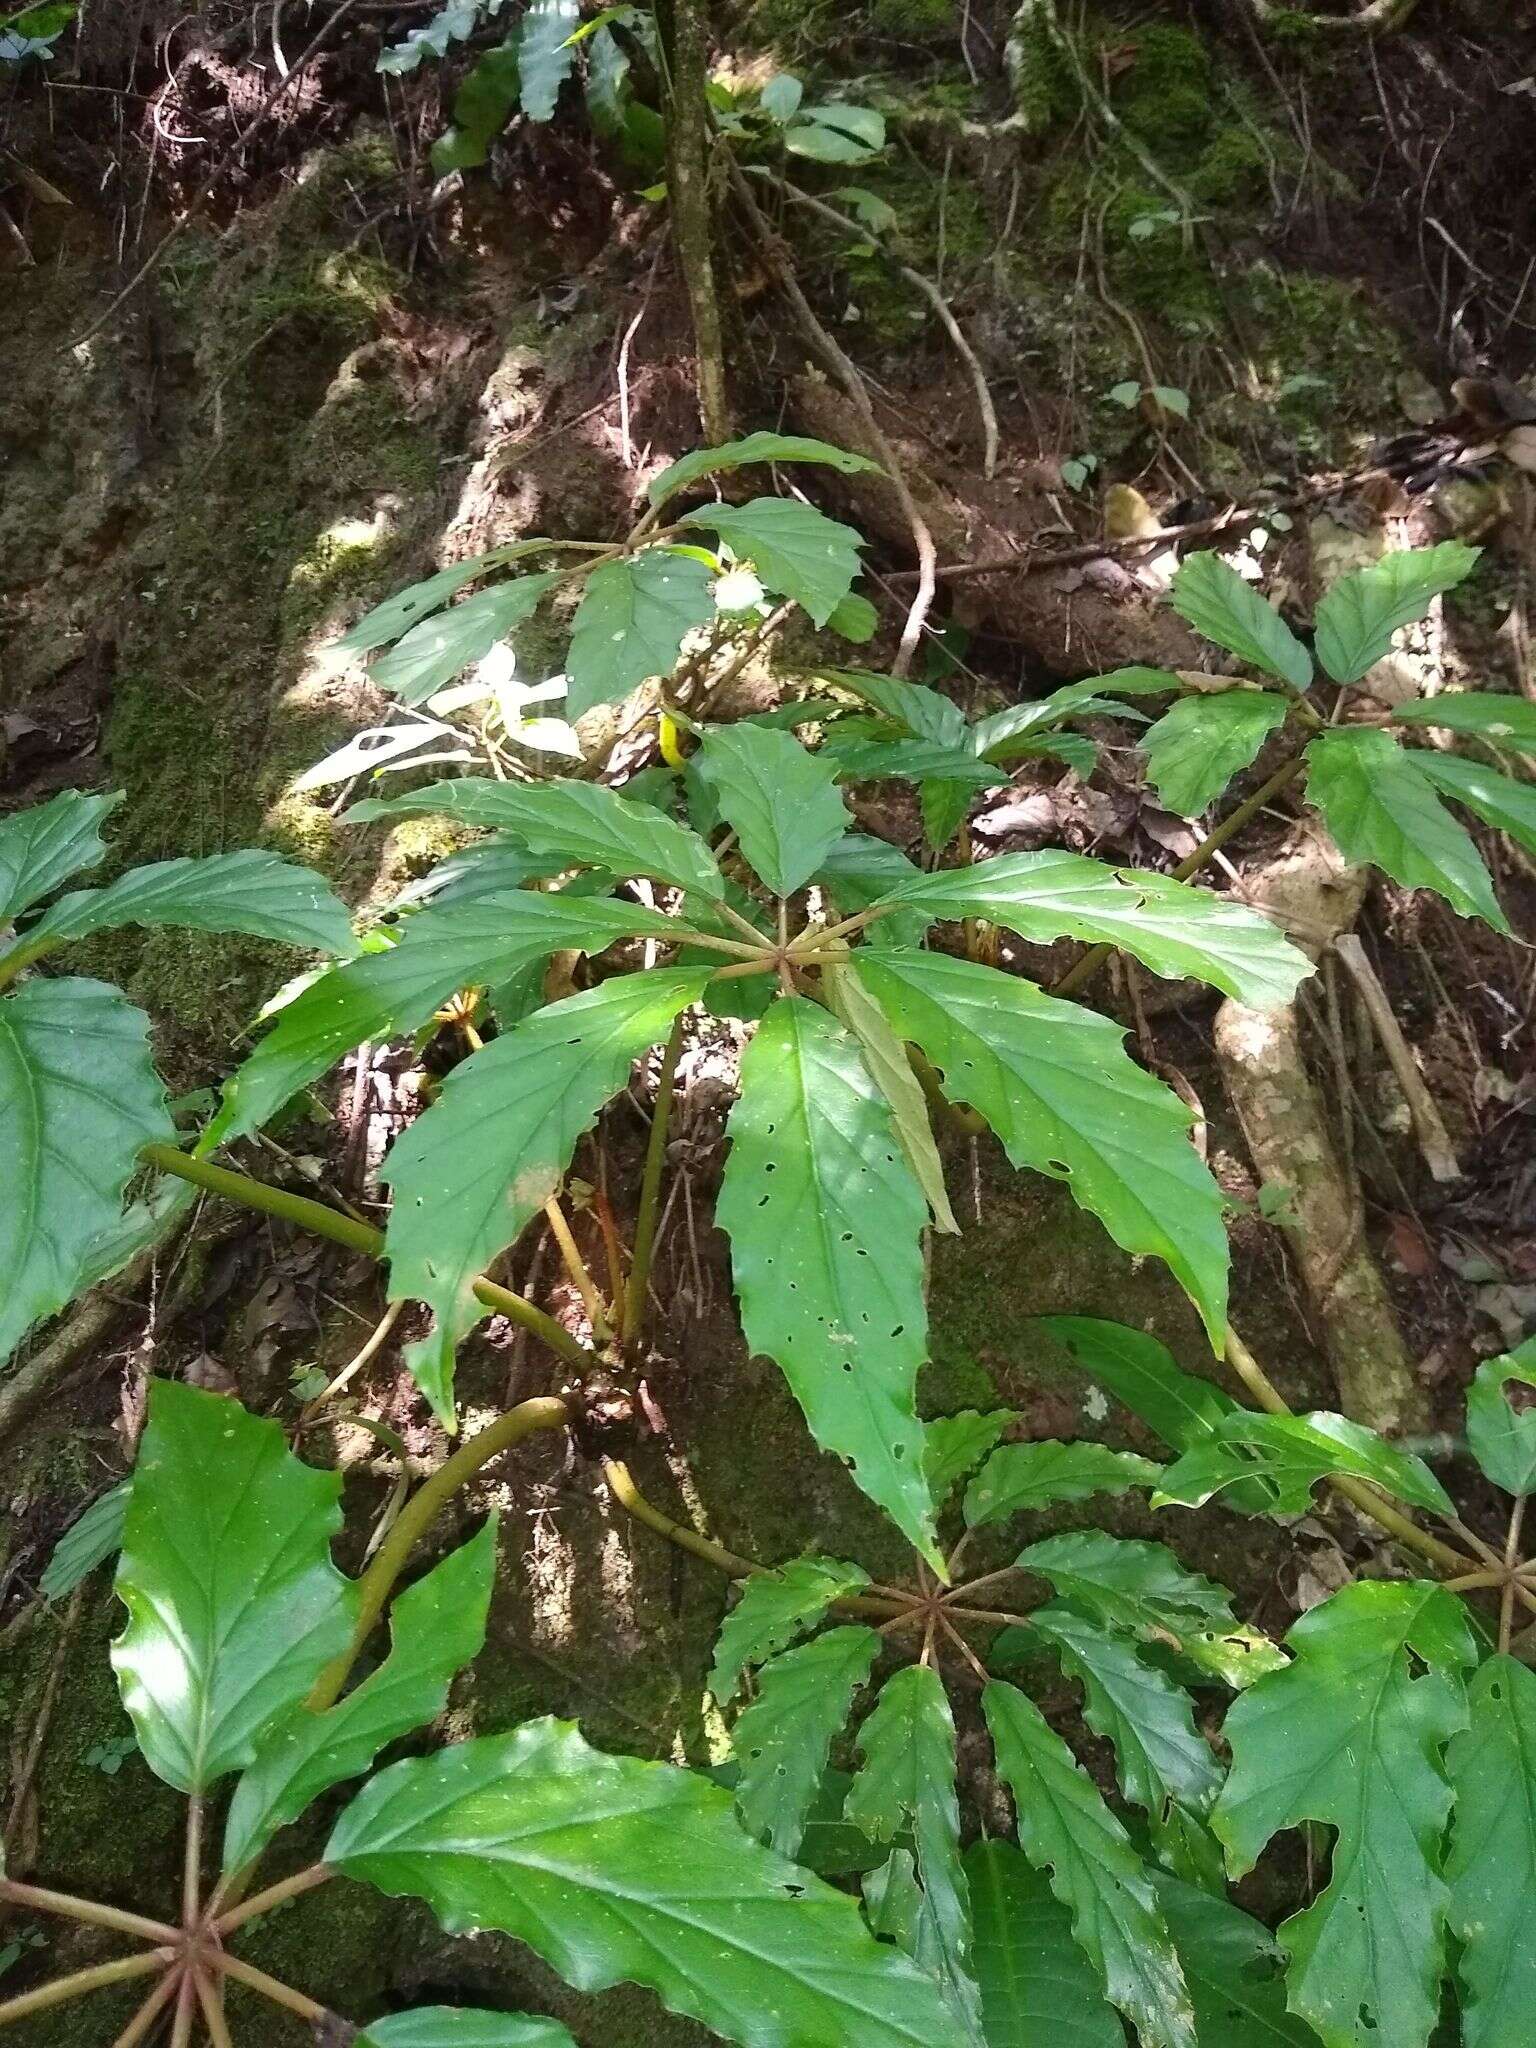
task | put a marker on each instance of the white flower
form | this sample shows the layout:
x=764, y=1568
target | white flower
x=738, y=590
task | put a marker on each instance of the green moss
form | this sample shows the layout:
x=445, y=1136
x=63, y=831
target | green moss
x=361, y=441
x=911, y=17
x=1165, y=91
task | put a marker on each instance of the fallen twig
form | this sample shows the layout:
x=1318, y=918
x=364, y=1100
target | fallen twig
x=1429, y=1128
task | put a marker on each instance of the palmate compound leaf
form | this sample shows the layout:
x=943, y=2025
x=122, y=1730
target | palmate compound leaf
x=225, y=892
x=448, y=2026
x=781, y=1740
x=955, y=1444
x=1057, y=1087
x=490, y=1152
x=611, y=1868
x=825, y=1221
x=437, y=1625
x=631, y=623
x=79, y=1097
x=1491, y=1869
x=1170, y=927
x=435, y=651
x=1196, y=748
x=908, y=1780
x=1038, y=1988
x=1066, y=1829
x=1502, y=1438
x=569, y=823
x=1291, y=1453
x=1349, y=1736
x=1021, y=1477
x=753, y=448
x=782, y=802
x=1218, y=603
x=1381, y=808
x=44, y=846
x=233, y=1603
x=774, y=1608
x=1358, y=617
x=797, y=551
x=482, y=943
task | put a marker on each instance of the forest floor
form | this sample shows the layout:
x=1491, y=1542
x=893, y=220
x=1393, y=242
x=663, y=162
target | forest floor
x=338, y=376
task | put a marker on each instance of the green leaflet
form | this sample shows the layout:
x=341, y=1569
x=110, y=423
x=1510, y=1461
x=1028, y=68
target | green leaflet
x=782, y=802
x=227, y=892
x=754, y=448
x=88, y=1541
x=1499, y=800
x=1055, y=1084
x=774, y=1608
x=1038, y=1989
x=389, y=620
x=1358, y=617
x=908, y=1776
x=468, y=945
x=944, y=807
x=825, y=1222
x=1380, y=808
x=611, y=1868
x=79, y=1097
x=927, y=714
x=1292, y=1452
x=44, y=846
x=433, y=652
x=1347, y=1735
x=631, y=623
x=1507, y=720
x=1016, y=721
x=446, y=2026
x=1232, y=1966
x=796, y=550
x=888, y=1064
x=858, y=871
x=545, y=54
x=482, y=107
x=1141, y=1372
x=857, y=759
x=1491, y=1869
x=572, y=824
x=1143, y=1589
x=1169, y=926
x=485, y=1158
x=437, y=1625
x=1218, y=603
x=782, y=1739
x=1066, y=1829
x=953, y=1444
x=1503, y=1440
x=1164, y=1759
x=1022, y=1477
x=1196, y=748
x=234, y=1606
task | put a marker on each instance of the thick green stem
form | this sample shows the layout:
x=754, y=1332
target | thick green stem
x=81, y=1982
x=650, y=1192
x=418, y=1515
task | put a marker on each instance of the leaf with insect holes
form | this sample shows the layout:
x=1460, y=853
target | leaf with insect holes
x=1170, y=927
x=79, y=1098
x=1499, y=800
x=494, y=1147
x=1218, y=603
x=436, y=1627
x=545, y=54
x=1143, y=1589
x=1056, y=1085
x=886, y=1058
x=631, y=623
x=908, y=1780
x=567, y=824
x=774, y=1608
x=1066, y=1829
x=925, y=713
x=782, y=801
x=1381, y=808
x=955, y=1444
x=225, y=892
x=454, y=2026
x=782, y=1738
x=234, y=1606
x=1351, y=1734
x=1292, y=1453
x=797, y=551
x=1358, y=617
x=1502, y=1438
x=482, y=943
x=44, y=846
x=435, y=651
x=1019, y=1478
x=1506, y=720
x=729, y=455
x=1195, y=749
x=1038, y=1988
x=825, y=1221
x=614, y=1869
x=1491, y=1868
